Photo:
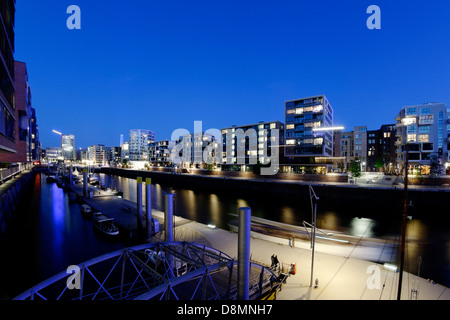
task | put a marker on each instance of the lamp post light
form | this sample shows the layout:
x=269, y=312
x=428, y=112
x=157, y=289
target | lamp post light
x=60, y=134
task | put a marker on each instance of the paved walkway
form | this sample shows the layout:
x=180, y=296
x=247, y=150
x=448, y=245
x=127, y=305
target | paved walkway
x=342, y=276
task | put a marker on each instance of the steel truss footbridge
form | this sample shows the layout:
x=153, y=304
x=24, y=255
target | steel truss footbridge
x=161, y=270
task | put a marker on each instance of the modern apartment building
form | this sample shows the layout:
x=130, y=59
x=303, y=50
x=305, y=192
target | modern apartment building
x=308, y=143
x=372, y=149
x=139, y=141
x=381, y=149
x=8, y=117
x=99, y=154
x=425, y=129
x=34, y=142
x=247, y=145
x=22, y=114
x=159, y=153
x=196, y=151
x=302, y=116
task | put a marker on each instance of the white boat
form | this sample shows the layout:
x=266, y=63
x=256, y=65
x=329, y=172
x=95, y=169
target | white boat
x=105, y=224
x=85, y=209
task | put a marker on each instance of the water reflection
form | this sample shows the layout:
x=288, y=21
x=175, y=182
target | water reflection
x=362, y=227
x=58, y=213
x=215, y=212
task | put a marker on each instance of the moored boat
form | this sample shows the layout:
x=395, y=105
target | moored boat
x=105, y=224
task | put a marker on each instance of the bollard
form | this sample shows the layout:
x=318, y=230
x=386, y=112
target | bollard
x=148, y=204
x=139, y=204
x=244, y=252
x=168, y=217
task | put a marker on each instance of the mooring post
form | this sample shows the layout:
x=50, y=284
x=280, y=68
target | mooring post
x=168, y=217
x=148, y=204
x=139, y=204
x=244, y=252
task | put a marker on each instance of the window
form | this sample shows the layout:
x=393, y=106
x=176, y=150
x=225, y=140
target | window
x=411, y=111
x=318, y=108
x=424, y=129
x=422, y=138
x=425, y=111
x=318, y=141
x=408, y=121
x=412, y=128
x=426, y=119
x=290, y=142
x=411, y=138
x=387, y=134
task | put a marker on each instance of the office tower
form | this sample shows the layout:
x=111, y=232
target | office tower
x=68, y=147
x=424, y=128
x=139, y=141
x=7, y=94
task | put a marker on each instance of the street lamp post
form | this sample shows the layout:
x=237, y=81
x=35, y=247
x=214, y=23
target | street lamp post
x=403, y=235
x=312, y=195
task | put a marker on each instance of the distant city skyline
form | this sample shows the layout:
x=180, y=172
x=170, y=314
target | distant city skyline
x=162, y=66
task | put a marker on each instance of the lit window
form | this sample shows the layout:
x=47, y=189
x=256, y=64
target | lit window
x=290, y=126
x=273, y=125
x=290, y=142
x=411, y=138
x=422, y=138
x=318, y=108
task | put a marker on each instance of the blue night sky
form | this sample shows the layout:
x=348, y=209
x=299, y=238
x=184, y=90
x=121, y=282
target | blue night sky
x=162, y=65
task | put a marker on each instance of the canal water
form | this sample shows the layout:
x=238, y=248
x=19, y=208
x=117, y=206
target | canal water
x=48, y=233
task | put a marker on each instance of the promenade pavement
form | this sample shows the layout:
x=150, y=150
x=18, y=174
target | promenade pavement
x=342, y=275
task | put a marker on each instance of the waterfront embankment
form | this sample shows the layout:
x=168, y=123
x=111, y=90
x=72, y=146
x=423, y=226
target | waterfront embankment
x=422, y=200
x=11, y=193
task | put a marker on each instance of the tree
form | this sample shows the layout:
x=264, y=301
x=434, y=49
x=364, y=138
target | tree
x=355, y=168
x=379, y=163
x=435, y=167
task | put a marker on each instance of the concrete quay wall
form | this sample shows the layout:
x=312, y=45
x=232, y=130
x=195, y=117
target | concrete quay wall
x=11, y=193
